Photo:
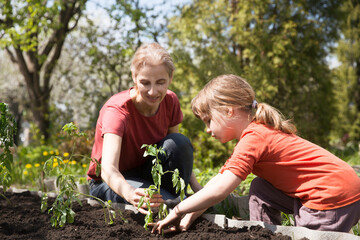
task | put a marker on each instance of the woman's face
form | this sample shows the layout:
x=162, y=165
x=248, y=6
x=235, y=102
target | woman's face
x=152, y=82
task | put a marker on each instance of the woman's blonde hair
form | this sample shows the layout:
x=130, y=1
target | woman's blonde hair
x=151, y=54
x=234, y=91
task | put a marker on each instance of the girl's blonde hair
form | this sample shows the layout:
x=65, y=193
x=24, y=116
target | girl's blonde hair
x=234, y=91
x=151, y=54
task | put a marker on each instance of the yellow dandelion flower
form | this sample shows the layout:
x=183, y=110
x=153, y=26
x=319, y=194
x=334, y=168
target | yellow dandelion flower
x=73, y=162
x=45, y=153
x=28, y=165
x=55, y=164
x=55, y=160
x=66, y=154
x=84, y=165
x=57, y=152
x=37, y=164
x=51, y=152
x=26, y=172
x=66, y=160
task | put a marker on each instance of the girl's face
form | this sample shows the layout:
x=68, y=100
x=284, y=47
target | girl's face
x=152, y=82
x=226, y=126
x=220, y=127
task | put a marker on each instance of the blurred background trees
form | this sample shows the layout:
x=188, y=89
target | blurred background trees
x=61, y=60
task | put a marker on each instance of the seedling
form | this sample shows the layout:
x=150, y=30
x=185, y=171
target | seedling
x=61, y=209
x=157, y=172
x=7, y=131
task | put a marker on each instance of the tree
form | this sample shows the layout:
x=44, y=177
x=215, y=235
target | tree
x=347, y=75
x=278, y=46
x=33, y=33
x=96, y=57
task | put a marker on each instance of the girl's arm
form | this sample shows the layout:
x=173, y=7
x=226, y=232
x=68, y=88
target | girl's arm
x=216, y=190
x=111, y=175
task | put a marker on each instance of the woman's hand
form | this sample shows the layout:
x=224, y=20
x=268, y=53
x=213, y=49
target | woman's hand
x=135, y=196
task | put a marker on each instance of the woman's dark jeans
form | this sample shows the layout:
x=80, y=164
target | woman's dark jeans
x=179, y=155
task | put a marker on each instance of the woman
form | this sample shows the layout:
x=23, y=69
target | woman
x=147, y=113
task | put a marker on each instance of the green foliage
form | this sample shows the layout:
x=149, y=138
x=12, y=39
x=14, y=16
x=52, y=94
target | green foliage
x=278, y=47
x=7, y=131
x=346, y=76
x=157, y=172
x=287, y=219
x=28, y=165
x=356, y=229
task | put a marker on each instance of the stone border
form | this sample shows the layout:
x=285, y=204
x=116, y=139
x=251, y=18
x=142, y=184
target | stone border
x=296, y=233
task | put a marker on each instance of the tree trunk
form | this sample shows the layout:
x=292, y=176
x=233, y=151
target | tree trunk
x=37, y=65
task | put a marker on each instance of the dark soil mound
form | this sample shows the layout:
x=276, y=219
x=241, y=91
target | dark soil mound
x=24, y=220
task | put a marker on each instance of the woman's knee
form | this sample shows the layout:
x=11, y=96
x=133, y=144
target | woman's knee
x=177, y=141
x=178, y=146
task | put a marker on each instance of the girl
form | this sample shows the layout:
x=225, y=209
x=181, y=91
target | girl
x=294, y=176
x=148, y=113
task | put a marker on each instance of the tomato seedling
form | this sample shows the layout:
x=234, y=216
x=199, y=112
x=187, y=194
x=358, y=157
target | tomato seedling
x=61, y=209
x=157, y=172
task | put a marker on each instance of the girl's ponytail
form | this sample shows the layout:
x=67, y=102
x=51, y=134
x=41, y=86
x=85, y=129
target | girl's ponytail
x=270, y=116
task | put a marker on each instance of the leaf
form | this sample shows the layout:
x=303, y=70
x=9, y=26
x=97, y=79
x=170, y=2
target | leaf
x=70, y=216
x=175, y=177
x=141, y=202
x=44, y=203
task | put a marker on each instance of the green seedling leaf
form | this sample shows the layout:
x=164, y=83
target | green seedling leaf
x=175, y=178
x=70, y=215
x=98, y=166
x=44, y=202
x=141, y=202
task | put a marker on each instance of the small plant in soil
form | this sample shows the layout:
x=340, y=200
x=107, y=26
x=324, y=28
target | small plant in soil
x=61, y=209
x=157, y=172
x=7, y=131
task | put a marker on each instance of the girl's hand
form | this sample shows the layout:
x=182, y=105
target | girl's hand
x=135, y=196
x=172, y=219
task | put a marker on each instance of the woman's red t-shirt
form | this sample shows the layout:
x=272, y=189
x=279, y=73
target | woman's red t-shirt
x=119, y=116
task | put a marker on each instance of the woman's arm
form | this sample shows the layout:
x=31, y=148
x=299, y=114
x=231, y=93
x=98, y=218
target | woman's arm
x=194, y=184
x=111, y=175
x=174, y=129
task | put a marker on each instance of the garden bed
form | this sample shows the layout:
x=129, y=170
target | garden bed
x=23, y=220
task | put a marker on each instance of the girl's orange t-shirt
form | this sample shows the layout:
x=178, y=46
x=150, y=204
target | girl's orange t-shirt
x=295, y=166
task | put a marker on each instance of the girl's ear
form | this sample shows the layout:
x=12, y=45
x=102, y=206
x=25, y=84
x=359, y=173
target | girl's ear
x=230, y=111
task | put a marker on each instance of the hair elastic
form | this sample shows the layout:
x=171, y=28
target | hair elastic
x=254, y=104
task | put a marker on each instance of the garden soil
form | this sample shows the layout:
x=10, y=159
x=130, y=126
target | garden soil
x=24, y=220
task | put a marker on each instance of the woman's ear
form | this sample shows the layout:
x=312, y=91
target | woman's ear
x=171, y=78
